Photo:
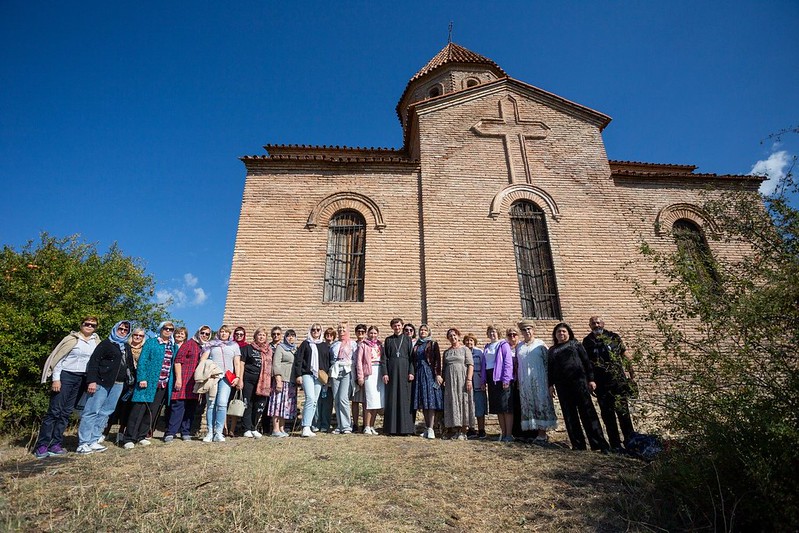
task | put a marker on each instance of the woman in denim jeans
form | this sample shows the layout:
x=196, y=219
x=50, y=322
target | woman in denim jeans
x=109, y=369
x=226, y=354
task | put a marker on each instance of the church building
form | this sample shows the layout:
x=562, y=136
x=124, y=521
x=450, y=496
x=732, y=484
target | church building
x=501, y=204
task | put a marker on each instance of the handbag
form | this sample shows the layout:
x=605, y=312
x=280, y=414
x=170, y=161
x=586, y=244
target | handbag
x=323, y=377
x=236, y=406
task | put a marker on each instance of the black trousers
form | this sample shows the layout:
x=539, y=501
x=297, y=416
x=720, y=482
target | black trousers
x=613, y=404
x=141, y=417
x=575, y=402
x=254, y=405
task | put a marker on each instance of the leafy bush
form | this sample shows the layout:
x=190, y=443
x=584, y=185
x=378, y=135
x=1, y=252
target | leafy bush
x=46, y=289
x=726, y=352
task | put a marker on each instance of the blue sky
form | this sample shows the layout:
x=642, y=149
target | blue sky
x=124, y=121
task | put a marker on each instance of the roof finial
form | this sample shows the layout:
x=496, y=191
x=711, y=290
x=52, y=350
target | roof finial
x=449, y=38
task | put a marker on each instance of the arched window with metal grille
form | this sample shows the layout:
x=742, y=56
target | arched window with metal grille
x=694, y=252
x=537, y=286
x=346, y=254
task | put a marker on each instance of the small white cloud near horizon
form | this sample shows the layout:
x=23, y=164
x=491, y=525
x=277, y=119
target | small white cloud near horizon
x=179, y=297
x=774, y=168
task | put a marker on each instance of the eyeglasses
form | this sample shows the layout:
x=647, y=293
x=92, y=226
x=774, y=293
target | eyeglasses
x=318, y=329
x=276, y=334
x=238, y=334
x=205, y=334
x=123, y=328
x=137, y=336
x=89, y=325
x=513, y=334
x=167, y=328
x=408, y=330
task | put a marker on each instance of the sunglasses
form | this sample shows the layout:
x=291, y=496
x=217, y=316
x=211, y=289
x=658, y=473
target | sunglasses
x=239, y=334
x=122, y=328
x=137, y=336
x=205, y=333
x=89, y=325
x=165, y=328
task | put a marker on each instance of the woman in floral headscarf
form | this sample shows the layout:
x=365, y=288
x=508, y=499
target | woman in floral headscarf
x=370, y=367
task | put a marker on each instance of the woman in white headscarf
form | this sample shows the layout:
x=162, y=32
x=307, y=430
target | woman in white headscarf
x=312, y=355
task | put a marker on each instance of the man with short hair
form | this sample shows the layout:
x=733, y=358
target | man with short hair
x=399, y=418
x=613, y=387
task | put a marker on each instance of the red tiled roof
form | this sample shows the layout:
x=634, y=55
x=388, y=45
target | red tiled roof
x=637, y=169
x=339, y=154
x=454, y=53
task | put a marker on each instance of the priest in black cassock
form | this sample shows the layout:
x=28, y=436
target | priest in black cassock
x=399, y=417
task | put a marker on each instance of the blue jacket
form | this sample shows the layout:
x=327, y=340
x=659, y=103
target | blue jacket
x=149, y=368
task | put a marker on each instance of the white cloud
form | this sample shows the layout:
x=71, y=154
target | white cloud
x=199, y=296
x=178, y=297
x=774, y=168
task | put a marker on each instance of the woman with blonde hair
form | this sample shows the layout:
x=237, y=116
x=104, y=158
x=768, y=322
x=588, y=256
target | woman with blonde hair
x=342, y=353
x=226, y=354
x=313, y=355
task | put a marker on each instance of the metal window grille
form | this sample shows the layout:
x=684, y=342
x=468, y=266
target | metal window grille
x=537, y=287
x=694, y=251
x=346, y=247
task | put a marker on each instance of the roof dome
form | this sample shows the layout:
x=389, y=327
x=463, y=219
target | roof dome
x=459, y=63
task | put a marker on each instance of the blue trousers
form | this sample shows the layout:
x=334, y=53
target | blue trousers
x=312, y=387
x=216, y=411
x=99, y=407
x=181, y=416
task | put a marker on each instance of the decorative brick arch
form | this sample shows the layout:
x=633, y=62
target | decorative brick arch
x=345, y=200
x=522, y=191
x=669, y=215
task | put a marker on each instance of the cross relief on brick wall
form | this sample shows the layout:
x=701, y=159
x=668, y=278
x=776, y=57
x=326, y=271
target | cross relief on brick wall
x=514, y=132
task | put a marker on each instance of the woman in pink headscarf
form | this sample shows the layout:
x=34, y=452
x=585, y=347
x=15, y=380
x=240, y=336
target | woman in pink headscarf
x=342, y=355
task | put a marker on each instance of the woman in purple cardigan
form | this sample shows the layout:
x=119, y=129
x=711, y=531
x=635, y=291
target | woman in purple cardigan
x=499, y=388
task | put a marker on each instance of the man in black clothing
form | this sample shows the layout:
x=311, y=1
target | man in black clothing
x=613, y=387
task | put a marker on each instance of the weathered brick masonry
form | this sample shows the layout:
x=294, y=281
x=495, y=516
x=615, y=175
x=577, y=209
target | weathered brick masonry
x=438, y=238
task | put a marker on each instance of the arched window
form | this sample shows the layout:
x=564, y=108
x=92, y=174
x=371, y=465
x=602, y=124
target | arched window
x=693, y=251
x=472, y=82
x=346, y=247
x=434, y=91
x=537, y=287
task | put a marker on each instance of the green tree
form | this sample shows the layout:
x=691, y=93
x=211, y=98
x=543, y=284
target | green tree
x=726, y=358
x=45, y=289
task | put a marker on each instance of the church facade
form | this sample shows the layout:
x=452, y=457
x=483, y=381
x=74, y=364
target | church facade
x=501, y=204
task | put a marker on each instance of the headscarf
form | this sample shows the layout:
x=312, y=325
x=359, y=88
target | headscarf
x=290, y=346
x=314, y=350
x=260, y=347
x=423, y=340
x=242, y=343
x=136, y=348
x=197, y=338
x=116, y=339
x=218, y=343
x=345, y=349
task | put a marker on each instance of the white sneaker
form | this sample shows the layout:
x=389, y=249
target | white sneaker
x=374, y=431
x=97, y=447
x=145, y=442
x=219, y=438
x=84, y=449
x=431, y=433
x=129, y=446
x=209, y=437
x=257, y=434
x=367, y=430
x=306, y=432
x=249, y=434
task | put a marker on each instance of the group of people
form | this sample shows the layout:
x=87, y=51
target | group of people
x=516, y=376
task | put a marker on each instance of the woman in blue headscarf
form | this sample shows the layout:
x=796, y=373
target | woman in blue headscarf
x=427, y=394
x=154, y=384
x=109, y=369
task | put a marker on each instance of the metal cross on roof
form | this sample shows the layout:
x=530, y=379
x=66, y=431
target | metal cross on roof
x=513, y=131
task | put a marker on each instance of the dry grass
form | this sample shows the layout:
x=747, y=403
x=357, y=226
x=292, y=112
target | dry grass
x=329, y=483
